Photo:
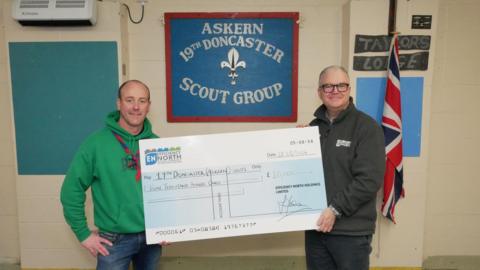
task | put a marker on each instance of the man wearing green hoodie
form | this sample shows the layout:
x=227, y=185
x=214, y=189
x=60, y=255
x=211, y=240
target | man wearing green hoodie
x=108, y=163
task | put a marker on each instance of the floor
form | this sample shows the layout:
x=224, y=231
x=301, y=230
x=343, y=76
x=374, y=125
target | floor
x=432, y=263
x=452, y=263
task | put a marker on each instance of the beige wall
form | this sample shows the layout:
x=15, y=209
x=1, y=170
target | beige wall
x=453, y=213
x=434, y=204
x=147, y=63
x=9, y=244
x=406, y=236
x=43, y=235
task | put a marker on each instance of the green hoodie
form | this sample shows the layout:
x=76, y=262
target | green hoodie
x=102, y=164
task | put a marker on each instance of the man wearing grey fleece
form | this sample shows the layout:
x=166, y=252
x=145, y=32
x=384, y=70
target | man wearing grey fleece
x=353, y=154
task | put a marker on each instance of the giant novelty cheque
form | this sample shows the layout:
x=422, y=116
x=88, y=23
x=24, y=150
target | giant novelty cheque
x=232, y=184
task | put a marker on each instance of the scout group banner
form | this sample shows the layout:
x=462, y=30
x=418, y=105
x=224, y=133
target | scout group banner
x=229, y=67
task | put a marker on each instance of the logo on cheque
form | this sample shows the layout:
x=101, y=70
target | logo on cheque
x=163, y=155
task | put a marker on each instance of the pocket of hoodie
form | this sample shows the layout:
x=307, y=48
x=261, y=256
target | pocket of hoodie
x=129, y=215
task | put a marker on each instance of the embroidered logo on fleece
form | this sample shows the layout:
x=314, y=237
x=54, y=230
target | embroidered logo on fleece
x=343, y=143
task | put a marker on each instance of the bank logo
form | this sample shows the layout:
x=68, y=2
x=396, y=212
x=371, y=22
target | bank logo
x=163, y=155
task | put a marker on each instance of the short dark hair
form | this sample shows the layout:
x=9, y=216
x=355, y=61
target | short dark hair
x=132, y=81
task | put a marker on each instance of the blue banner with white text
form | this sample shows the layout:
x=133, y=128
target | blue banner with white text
x=231, y=67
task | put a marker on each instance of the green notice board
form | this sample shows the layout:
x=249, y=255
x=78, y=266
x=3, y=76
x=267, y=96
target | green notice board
x=62, y=92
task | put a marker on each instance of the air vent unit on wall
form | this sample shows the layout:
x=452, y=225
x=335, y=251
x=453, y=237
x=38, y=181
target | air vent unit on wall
x=55, y=12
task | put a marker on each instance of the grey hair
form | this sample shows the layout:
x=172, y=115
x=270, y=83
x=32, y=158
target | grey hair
x=332, y=67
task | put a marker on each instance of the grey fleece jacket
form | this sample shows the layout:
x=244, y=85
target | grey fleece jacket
x=353, y=153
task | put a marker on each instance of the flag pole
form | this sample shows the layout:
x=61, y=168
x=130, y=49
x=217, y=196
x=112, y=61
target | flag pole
x=392, y=17
x=392, y=128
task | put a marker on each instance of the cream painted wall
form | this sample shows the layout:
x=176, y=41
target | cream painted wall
x=320, y=35
x=45, y=241
x=453, y=215
x=326, y=37
x=9, y=244
x=399, y=244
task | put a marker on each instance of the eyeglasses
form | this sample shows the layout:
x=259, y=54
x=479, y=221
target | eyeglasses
x=328, y=88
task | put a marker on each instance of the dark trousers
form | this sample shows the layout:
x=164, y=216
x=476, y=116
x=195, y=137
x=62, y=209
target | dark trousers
x=337, y=252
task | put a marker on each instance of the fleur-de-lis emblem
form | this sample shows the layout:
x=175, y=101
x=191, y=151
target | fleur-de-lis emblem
x=233, y=64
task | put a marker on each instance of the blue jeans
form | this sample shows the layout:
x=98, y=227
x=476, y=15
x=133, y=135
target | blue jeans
x=126, y=248
x=337, y=252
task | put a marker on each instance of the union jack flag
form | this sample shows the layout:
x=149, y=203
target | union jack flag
x=392, y=128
